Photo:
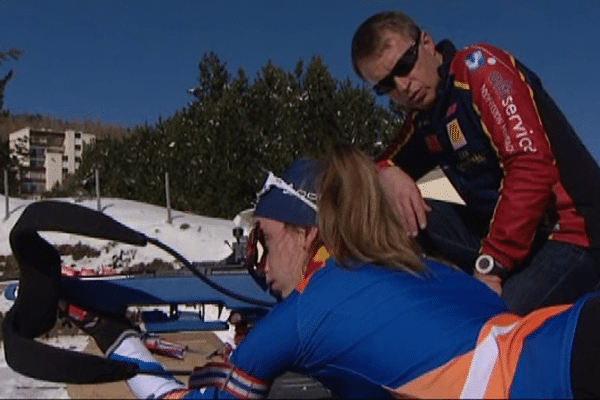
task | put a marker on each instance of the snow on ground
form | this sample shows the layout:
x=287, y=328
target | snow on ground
x=195, y=237
x=16, y=386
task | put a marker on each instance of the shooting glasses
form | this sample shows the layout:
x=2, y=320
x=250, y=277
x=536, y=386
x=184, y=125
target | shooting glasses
x=256, y=250
x=256, y=255
x=402, y=68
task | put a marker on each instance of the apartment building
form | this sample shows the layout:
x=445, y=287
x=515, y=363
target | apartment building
x=47, y=156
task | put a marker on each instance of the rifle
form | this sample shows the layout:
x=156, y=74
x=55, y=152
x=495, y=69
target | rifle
x=41, y=286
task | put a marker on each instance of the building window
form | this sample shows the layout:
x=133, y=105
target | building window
x=39, y=140
x=66, y=158
x=78, y=159
x=77, y=147
x=77, y=135
x=65, y=171
x=34, y=176
x=32, y=188
x=37, y=151
x=28, y=188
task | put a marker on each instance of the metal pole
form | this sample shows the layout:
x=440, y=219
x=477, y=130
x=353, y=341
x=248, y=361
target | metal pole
x=97, y=173
x=6, y=193
x=169, y=219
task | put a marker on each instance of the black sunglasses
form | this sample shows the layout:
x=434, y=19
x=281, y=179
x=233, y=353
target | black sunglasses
x=402, y=68
x=256, y=253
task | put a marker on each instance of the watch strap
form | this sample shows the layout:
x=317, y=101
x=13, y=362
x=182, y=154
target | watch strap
x=487, y=265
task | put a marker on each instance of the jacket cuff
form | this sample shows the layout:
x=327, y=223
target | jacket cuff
x=501, y=259
x=227, y=378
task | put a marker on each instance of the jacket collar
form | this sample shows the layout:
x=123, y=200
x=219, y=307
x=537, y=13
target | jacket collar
x=447, y=49
x=316, y=263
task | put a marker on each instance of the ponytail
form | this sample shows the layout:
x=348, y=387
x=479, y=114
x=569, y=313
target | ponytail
x=356, y=221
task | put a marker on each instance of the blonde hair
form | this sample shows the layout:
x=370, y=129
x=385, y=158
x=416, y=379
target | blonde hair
x=368, y=37
x=356, y=222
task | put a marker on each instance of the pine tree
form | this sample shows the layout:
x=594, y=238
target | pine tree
x=9, y=54
x=217, y=149
x=6, y=163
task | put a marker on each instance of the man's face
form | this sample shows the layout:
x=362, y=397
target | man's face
x=287, y=255
x=416, y=90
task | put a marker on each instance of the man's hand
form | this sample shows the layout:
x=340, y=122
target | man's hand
x=492, y=281
x=405, y=197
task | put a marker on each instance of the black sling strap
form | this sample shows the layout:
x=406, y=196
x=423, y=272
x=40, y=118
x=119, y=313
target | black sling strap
x=35, y=309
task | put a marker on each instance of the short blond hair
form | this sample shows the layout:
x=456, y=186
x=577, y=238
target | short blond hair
x=356, y=222
x=368, y=37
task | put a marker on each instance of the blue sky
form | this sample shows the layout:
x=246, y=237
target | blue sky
x=128, y=62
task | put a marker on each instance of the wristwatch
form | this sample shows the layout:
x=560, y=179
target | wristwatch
x=488, y=266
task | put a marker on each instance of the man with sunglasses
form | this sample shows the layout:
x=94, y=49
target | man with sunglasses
x=530, y=229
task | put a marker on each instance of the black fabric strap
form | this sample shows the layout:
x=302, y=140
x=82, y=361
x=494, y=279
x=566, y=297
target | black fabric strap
x=35, y=309
x=72, y=218
x=48, y=363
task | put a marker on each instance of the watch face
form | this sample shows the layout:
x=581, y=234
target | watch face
x=484, y=264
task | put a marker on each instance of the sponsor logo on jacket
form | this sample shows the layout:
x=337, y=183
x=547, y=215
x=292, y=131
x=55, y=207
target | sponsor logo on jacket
x=457, y=139
x=468, y=160
x=503, y=89
x=433, y=144
x=498, y=118
x=451, y=110
x=475, y=60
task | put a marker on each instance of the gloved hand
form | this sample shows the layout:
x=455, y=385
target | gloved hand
x=107, y=331
x=120, y=340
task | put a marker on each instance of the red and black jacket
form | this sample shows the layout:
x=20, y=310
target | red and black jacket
x=507, y=149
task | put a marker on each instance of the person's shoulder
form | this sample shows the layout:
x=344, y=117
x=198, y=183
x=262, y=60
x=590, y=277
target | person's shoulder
x=436, y=263
x=478, y=49
x=478, y=59
x=333, y=270
x=437, y=268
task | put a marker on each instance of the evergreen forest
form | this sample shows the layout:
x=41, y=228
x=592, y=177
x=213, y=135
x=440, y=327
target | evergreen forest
x=218, y=148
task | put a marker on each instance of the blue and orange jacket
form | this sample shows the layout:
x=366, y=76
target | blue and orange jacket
x=507, y=149
x=371, y=332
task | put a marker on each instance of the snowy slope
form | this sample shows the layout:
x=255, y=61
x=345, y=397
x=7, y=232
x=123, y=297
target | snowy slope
x=195, y=237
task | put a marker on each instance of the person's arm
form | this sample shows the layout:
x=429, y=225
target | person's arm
x=270, y=349
x=401, y=164
x=405, y=197
x=120, y=340
x=509, y=114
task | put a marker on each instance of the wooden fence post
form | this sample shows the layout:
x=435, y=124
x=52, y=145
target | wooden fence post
x=97, y=176
x=169, y=219
x=6, y=193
